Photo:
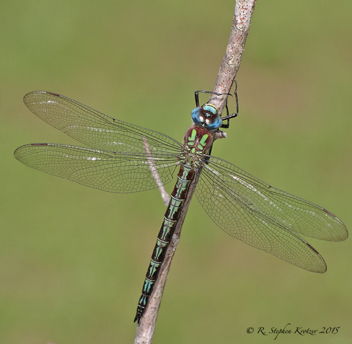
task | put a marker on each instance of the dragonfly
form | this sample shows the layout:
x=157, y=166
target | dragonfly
x=125, y=158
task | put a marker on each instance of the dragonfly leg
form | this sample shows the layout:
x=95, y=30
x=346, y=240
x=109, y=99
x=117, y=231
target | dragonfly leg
x=228, y=117
x=196, y=95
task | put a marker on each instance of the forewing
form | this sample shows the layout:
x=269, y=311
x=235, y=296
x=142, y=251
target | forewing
x=265, y=217
x=95, y=129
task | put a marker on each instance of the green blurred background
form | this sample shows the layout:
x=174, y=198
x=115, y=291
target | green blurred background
x=73, y=259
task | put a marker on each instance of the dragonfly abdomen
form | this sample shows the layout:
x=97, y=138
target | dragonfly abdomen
x=172, y=214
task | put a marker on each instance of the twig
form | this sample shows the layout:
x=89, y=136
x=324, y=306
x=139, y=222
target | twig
x=232, y=59
x=228, y=70
x=164, y=195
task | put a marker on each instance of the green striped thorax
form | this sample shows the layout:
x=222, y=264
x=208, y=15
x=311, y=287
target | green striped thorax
x=199, y=137
x=198, y=141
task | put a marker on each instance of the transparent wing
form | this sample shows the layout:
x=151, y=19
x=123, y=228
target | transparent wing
x=265, y=217
x=104, y=170
x=121, y=156
x=95, y=129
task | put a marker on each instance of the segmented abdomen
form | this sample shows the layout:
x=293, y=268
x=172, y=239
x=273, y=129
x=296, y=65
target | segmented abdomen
x=184, y=179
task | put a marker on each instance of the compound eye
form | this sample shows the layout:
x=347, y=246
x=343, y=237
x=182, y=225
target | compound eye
x=209, y=109
x=197, y=116
x=206, y=116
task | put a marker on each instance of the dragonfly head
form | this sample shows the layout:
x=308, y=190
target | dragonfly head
x=207, y=116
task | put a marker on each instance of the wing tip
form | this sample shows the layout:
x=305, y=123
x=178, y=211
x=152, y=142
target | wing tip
x=28, y=95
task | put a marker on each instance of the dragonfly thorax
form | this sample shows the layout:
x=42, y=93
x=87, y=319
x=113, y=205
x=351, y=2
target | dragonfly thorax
x=198, y=140
x=206, y=116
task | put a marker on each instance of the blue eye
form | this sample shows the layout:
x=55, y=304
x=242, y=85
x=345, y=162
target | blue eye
x=215, y=124
x=209, y=108
x=206, y=116
x=196, y=113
